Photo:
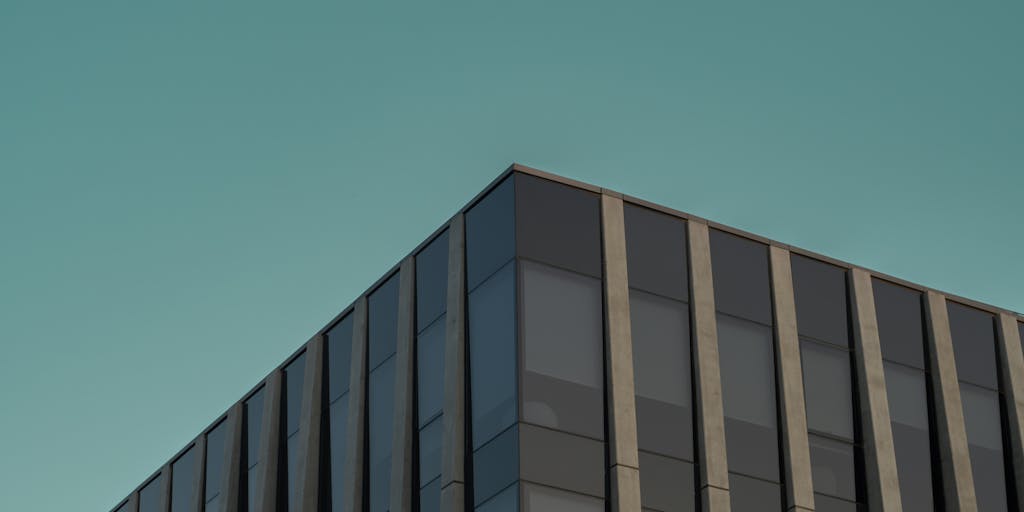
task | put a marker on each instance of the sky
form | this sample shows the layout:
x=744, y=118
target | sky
x=189, y=190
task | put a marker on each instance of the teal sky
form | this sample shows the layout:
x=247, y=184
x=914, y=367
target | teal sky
x=189, y=190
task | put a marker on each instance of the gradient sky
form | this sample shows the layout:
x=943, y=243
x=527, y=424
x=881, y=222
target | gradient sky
x=189, y=190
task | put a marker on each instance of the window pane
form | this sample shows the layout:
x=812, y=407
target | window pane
x=985, y=441
x=656, y=252
x=430, y=497
x=666, y=484
x=827, y=389
x=215, y=451
x=495, y=465
x=753, y=495
x=151, y=497
x=183, y=482
x=431, y=281
x=562, y=460
x=339, y=357
x=740, y=268
x=563, y=348
x=974, y=345
x=748, y=394
x=833, y=467
x=545, y=499
x=430, y=371
x=661, y=370
x=430, y=450
x=824, y=503
x=383, y=321
x=490, y=233
x=900, y=323
x=820, y=293
x=339, y=449
x=381, y=422
x=253, y=427
x=294, y=375
x=492, y=355
x=558, y=224
x=908, y=410
x=505, y=501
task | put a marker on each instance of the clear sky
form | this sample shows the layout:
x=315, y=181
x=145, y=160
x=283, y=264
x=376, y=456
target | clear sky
x=189, y=190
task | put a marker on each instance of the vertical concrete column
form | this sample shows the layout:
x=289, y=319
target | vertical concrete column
x=270, y=445
x=165, y=487
x=308, y=457
x=879, y=451
x=453, y=442
x=714, y=467
x=796, y=454
x=623, y=458
x=1012, y=361
x=199, y=473
x=132, y=505
x=232, y=469
x=957, y=479
x=355, y=458
x=405, y=372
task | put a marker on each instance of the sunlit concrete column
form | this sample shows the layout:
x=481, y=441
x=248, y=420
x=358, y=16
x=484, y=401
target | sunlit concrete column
x=232, y=468
x=270, y=444
x=355, y=444
x=308, y=457
x=793, y=422
x=405, y=389
x=957, y=479
x=879, y=451
x=199, y=472
x=453, y=442
x=714, y=467
x=1012, y=361
x=623, y=457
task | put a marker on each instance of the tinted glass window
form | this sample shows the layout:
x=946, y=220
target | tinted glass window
x=495, y=465
x=294, y=374
x=383, y=321
x=824, y=503
x=492, y=355
x=563, y=348
x=253, y=427
x=430, y=497
x=123, y=507
x=546, y=499
x=820, y=293
x=339, y=357
x=183, y=482
x=666, y=484
x=656, y=252
x=505, y=501
x=827, y=389
x=381, y=422
x=151, y=497
x=339, y=449
x=900, y=323
x=215, y=451
x=748, y=394
x=430, y=451
x=833, y=467
x=984, y=439
x=558, y=224
x=753, y=495
x=490, y=233
x=974, y=345
x=562, y=460
x=740, y=269
x=661, y=370
x=431, y=281
x=430, y=371
x=908, y=411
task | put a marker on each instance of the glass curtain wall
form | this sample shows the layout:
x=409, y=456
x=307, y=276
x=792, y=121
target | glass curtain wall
x=339, y=369
x=382, y=325
x=431, y=306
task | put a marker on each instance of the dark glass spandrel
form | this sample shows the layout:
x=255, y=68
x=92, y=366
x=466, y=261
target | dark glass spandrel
x=431, y=281
x=819, y=290
x=491, y=308
x=901, y=332
x=338, y=450
x=824, y=503
x=505, y=501
x=381, y=422
x=985, y=442
x=752, y=495
x=833, y=467
x=747, y=366
x=215, y=452
x=490, y=233
x=294, y=375
x=662, y=376
x=561, y=460
x=339, y=357
x=740, y=272
x=537, y=498
x=828, y=389
x=656, y=252
x=558, y=224
x=183, y=482
x=666, y=484
x=495, y=465
x=908, y=410
x=151, y=497
x=974, y=345
x=430, y=371
x=382, y=312
x=563, y=342
x=430, y=450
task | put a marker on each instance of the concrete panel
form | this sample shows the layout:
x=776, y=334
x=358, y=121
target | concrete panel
x=199, y=473
x=232, y=468
x=453, y=442
x=356, y=442
x=955, y=459
x=879, y=451
x=308, y=456
x=714, y=470
x=623, y=458
x=1012, y=371
x=401, y=491
x=796, y=455
x=270, y=445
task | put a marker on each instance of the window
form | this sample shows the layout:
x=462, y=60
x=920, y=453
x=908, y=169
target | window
x=431, y=281
x=753, y=495
x=558, y=225
x=294, y=376
x=495, y=465
x=253, y=427
x=215, y=451
x=382, y=338
x=565, y=461
x=740, y=269
x=151, y=497
x=183, y=482
x=667, y=484
x=490, y=233
x=431, y=293
x=900, y=323
x=974, y=345
x=339, y=368
x=545, y=499
x=656, y=253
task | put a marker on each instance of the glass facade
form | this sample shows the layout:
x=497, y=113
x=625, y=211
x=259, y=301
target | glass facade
x=335, y=412
x=215, y=450
x=183, y=482
x=252, y=456
x=431, y=306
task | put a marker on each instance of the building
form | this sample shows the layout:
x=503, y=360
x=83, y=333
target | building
x=561, y=347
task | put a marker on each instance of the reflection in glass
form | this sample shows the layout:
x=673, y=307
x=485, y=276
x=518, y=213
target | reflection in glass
x=339, y=449
x=753, y=495
x=430, y=371
x=828, y=391
x=490, y=233
x=495, y=465
x=294, y=376
x=339, y=357
x=505, y=501
x=492, y=355
x=833, y=467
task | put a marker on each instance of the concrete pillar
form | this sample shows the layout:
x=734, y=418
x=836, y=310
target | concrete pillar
x=405, y=392
x=1011, y=360
x=453, y=442
x=199, y=473
x=308, y=456
x=879, y=451
x=714, y=468
x=356, y=449
x=957, y=479
x=131, y=505
x=232, y=469
x=623, y=458
x=796, y=454
x=270, y=445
